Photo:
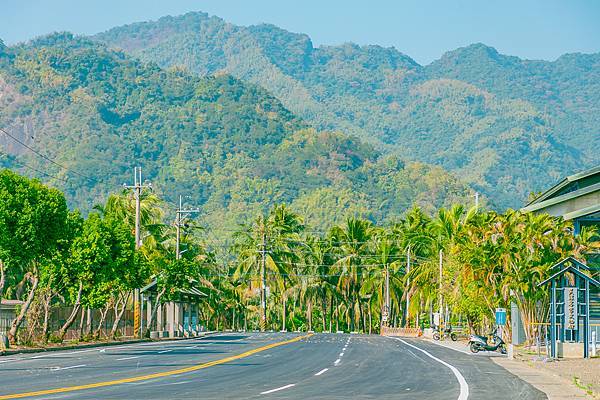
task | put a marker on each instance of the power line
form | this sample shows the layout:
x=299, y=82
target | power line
x=43, y=156
x=23, y=164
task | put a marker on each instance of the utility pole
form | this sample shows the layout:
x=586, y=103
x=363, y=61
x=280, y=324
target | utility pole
x=440, y=289
x=476, y=200
x=180, y=216
x=407, y=283
x=386, y=311
x=137, y=193
x=263, y=278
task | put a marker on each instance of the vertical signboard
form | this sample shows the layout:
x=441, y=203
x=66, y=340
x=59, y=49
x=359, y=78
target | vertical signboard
x=571, y=316
x=500, y=316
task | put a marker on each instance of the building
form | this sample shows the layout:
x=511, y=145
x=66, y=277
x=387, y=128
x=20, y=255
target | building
x=576, y=198
x=176, y=318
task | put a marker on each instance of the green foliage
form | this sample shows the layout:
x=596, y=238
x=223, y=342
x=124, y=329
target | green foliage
x=505, y=125
x=32, y=219
x=234, y=148
x=332, y=278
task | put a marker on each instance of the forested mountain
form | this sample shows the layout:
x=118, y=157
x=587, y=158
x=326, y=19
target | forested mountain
x=81, y=116
x=507, y=126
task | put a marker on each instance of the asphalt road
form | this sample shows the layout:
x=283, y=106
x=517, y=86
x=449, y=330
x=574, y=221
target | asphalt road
x=259, y=365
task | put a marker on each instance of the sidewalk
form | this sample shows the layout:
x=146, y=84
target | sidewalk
x=555, y=386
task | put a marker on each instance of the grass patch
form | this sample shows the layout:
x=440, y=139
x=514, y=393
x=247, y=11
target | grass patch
x=587, y=388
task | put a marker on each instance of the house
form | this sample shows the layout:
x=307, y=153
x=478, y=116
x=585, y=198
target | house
x=576, y=198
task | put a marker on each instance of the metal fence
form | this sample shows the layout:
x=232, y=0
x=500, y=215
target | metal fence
x=59, y=316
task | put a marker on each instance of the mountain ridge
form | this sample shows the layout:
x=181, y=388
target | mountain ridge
x=230, y=145
x=526, y=113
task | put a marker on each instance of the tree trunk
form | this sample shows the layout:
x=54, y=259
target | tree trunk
x=283, y=314
x=331, y=315
x=119, y=313
x=81, y=323
x=337, y=316
x=47, y=300
x=88, y=324
x=2, y=278
x=370, y=319
x=323, y=310
x=63, y=330
x=309, y=314
x=155, y=306
x=12, y=333
x=103, y=314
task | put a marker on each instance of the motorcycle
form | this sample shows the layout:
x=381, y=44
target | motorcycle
x=479, y=343
x=447, y=333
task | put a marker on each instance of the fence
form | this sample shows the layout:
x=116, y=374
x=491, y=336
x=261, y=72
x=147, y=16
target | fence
x=542, y=334
x=405, y=332
x=59, y=316
x=5, y=324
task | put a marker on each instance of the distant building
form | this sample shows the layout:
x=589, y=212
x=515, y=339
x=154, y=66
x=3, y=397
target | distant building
x=576, y=198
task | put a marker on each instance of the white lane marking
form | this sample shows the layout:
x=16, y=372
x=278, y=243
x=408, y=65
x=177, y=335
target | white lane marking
x=342, y=354
x=127, y=358
x=70, y=367
x=464, y=388
x=9, y=360
x=164, y=351
x=278, y=389
x=56, y=354
x=336, y=362
x=321, y=372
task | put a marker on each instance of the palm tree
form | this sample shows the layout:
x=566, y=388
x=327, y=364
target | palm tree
x=352, y=242
x=276, y=235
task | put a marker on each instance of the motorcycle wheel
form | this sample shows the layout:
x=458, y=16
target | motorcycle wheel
x=436, y=336
x=503, y=349
x=453, y=337
x=474, y=348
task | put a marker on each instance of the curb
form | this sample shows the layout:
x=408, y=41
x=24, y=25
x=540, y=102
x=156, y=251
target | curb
x=98, y=344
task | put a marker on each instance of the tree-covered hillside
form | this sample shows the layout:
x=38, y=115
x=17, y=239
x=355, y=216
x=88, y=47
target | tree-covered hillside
x=80, y=117
x=508, y=126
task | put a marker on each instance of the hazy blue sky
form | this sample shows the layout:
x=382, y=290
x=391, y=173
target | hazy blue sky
x=423, y=29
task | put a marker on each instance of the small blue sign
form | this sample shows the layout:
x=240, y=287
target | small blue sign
x=500, y=316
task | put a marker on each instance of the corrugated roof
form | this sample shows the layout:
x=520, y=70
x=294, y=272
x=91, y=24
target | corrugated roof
x=559, y=199
x=583, y=212
x=560, y=185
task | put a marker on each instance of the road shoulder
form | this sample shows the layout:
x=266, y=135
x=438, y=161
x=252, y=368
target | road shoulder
x=555, y=387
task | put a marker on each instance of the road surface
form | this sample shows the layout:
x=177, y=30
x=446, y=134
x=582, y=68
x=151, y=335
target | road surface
x=262, y=366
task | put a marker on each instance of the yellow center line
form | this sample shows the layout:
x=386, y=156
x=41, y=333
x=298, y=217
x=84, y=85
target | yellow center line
x=151, y=376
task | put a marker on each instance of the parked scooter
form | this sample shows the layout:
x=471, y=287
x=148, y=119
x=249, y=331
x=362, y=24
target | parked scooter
x=447, y=333
x=479, y=343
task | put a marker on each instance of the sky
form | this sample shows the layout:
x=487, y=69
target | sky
x=422, y=29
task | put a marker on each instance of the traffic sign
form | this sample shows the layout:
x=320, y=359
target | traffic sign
x=500, y=316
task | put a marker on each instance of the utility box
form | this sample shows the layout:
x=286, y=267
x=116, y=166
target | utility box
x=518, y=331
